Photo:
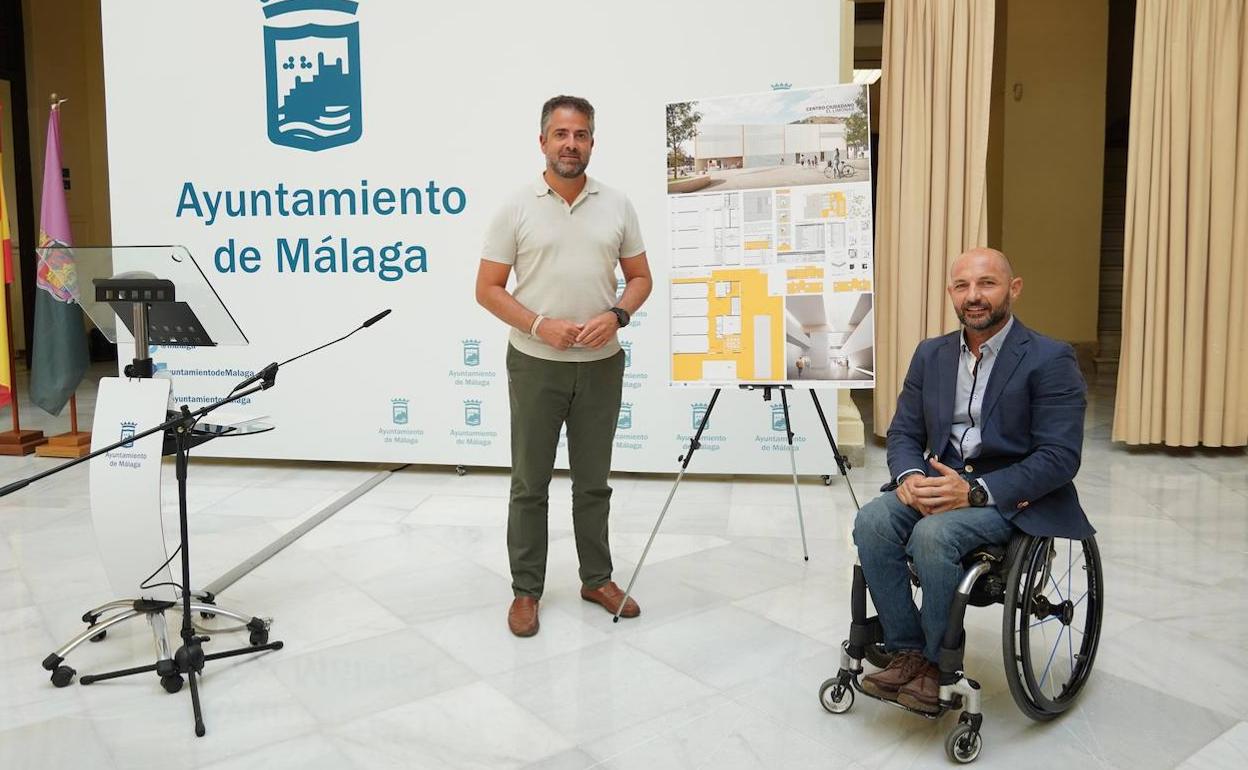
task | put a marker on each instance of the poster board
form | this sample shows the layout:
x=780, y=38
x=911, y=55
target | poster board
x=770, y=231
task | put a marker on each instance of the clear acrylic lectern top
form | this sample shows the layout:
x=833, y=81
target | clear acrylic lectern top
x=73, y=273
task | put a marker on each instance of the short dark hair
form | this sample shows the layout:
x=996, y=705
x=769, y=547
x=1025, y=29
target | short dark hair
x=570, y=102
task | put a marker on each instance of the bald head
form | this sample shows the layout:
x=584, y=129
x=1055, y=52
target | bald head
x=982, y=258
x=982, y=286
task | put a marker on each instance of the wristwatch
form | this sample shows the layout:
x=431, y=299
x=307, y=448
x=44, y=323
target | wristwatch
x=621, y=315
x=978, y=496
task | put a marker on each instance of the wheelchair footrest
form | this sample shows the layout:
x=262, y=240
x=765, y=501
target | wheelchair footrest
x=957, y=703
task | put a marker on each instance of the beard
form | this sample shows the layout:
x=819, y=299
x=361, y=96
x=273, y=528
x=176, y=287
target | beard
x=569, y=168
x=993, y=317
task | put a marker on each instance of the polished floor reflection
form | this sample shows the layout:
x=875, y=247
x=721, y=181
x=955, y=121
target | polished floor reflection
x=398, y=655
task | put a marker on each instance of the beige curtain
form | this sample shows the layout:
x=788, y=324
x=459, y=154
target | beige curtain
x=932, y=187
x=1182, y=377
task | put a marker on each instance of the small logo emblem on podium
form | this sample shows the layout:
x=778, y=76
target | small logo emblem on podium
x=625, y=421
x=312, y=74
x=472, y=352
x=627, y=347
x=778, y=422
x=699, y=411
x=398, y=411
x=472, y=413
x=127, y=433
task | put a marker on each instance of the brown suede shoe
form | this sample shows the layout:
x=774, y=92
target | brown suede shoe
x=522, y=617
x=609, y=596
x=923, y=692
x=886, y=684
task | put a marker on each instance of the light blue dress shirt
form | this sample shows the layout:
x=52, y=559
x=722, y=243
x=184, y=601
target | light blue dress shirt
x=973, y=374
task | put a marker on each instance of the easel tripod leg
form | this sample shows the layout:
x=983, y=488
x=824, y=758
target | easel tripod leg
x=693, y=446
x=797, y=494
x=842, y=462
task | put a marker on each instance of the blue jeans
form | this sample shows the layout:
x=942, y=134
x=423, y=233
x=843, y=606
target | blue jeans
x=886, y=532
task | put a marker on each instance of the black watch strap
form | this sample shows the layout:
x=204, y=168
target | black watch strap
x=622, y=316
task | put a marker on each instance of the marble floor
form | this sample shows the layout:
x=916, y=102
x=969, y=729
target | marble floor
x=397, y=652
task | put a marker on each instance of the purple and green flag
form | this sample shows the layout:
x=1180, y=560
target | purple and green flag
x=59, y=355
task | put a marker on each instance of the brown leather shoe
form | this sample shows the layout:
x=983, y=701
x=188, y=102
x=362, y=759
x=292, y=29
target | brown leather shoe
x=923, y=692
x=609, y=596
x=886, y=684
x=522, y=617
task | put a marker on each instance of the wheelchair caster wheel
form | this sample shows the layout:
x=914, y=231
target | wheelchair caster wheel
x=171, y=682
x=100, y=636
x=259, y=638
x=963, y=743
x=836, y=697
x=62, y=676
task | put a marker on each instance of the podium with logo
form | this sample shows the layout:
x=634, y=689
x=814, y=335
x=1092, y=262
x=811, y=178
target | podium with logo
x=148, y=296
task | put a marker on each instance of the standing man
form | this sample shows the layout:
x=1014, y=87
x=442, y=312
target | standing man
x=564, y=234
x=987, y=438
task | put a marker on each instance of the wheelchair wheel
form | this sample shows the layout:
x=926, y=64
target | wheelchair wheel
x=1052, y=623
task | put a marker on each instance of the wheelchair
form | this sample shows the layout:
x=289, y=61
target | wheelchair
x=1052, y=593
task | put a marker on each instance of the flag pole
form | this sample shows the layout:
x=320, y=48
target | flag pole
x=16, y=441
x=74, y=443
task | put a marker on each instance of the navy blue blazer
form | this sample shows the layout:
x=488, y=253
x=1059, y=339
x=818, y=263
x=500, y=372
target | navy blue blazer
x=1032, y=427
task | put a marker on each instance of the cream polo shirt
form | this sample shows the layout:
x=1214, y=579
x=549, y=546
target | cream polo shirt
x=564, y=257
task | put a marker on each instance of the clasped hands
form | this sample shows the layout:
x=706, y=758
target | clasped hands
x=593, y=334
x=934, y=494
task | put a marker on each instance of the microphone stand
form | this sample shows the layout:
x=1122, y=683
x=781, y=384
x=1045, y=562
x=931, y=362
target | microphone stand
x=189, y=659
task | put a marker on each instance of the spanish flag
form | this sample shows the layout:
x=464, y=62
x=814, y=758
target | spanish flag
x=6, y=245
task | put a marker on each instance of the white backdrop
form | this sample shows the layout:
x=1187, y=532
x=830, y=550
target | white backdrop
x=449, y=94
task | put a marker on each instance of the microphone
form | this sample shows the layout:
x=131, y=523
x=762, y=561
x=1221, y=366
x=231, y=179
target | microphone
x=269, y=373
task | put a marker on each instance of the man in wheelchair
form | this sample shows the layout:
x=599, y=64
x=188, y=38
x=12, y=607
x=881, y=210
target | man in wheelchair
x=986, y=440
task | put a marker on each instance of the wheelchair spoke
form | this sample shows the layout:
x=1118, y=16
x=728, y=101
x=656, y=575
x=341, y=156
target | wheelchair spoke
x=1081, y=598
x=1070, y=569
x=1052, y=655
x=1044, y=638
x=1070, y=563
x=1070, y=648
x=1057, y=588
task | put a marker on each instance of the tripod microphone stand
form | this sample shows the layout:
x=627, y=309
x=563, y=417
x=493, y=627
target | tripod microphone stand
x=189, y=658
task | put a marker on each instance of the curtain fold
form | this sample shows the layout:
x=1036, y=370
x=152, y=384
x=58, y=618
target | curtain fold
x=932, y=186
x=1182, y=379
